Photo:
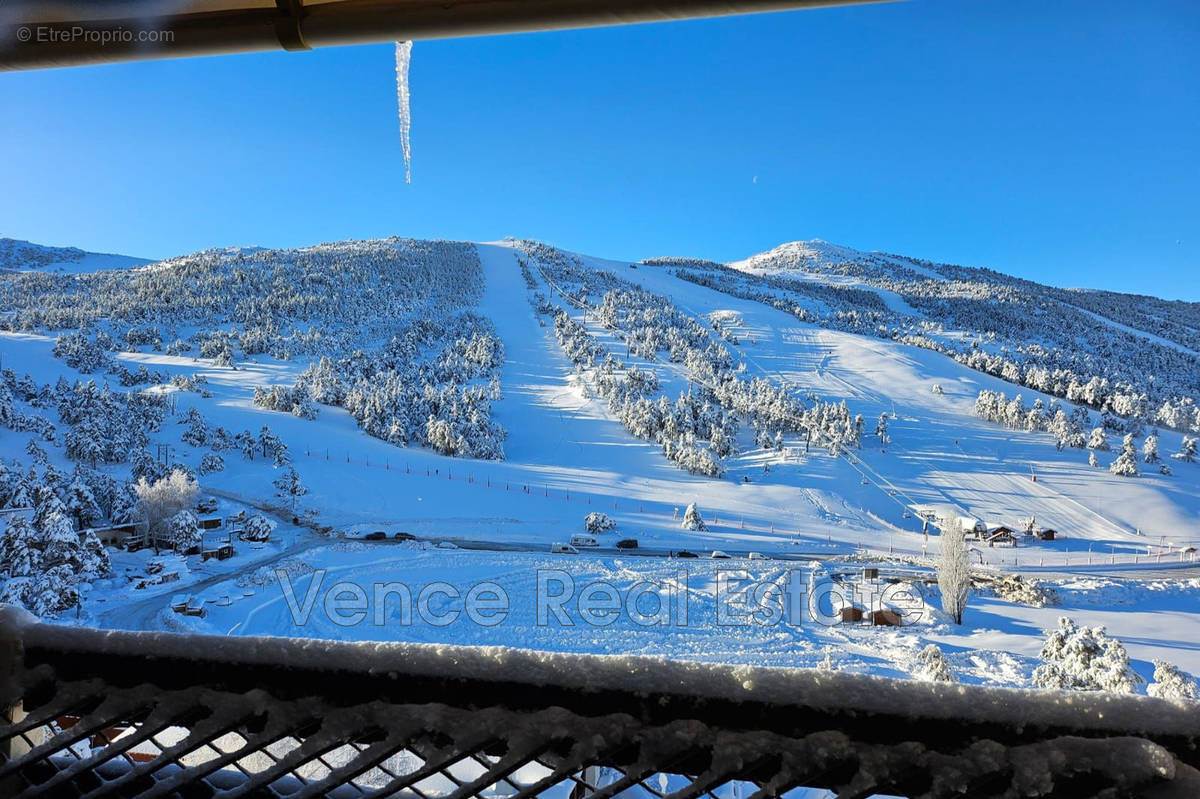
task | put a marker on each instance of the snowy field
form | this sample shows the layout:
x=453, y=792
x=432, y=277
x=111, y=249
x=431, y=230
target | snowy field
x=1121, y=556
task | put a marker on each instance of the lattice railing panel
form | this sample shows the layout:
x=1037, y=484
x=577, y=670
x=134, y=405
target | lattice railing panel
x=89, y=719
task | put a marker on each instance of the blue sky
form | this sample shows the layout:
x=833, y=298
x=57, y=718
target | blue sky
x=1056, y=141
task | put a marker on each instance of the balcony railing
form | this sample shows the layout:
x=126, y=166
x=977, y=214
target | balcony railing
x=95, y=713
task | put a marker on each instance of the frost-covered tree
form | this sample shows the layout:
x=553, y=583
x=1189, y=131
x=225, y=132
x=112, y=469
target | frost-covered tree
x=1125, y=464
x=598, y=523
x=931, y=665
x=162, y=499
x=183, y=531
x=1150, y=448
x=257, y=528
x=881, y=430
x=1173, y=685
x=1098, y=440
x=1092, y=461
x=1084, y=659
x=692, y=519
x=288, y=485
x=954, y=568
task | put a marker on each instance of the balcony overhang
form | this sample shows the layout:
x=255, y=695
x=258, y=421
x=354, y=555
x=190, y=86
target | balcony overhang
x=58, y=33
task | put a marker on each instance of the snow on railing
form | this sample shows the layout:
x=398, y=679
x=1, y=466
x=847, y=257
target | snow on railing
x=101, y=712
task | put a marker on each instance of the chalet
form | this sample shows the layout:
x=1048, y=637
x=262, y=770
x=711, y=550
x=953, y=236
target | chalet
x=1000, y=535
x=1045, y=534
x=210, y=522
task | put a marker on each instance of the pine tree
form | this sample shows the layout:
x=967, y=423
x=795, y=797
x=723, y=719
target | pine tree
x=183, y=531
x=1172, y=684
x=19, y=554
x=1098, y=440
x=931, y=665
x=1150, y=448
x=94, y=557
x=257, y=528
x=211, y=462
x=692, y=519
x=1084, y=659
x=60, y=542
x=881, y=430
x=81, y=503
x=289, y=485
x=1092, y=460
x=1126, y=463
x=1187, y=450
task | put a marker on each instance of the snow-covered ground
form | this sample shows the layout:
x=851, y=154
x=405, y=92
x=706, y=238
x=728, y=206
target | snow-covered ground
x=1119, y=559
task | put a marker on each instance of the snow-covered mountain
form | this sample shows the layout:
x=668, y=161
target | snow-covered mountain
x=812, y=402
x=19, y=255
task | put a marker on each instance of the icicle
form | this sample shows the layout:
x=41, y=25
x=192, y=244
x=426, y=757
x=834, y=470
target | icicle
x=403, y=59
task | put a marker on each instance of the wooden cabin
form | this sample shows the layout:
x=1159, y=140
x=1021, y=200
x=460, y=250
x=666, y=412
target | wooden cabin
x=118, y=535
x=1000, y=535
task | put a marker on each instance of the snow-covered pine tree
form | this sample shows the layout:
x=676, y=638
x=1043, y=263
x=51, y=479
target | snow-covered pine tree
x=1126, y=463
x=59, y=540
x=93, y=556
x=196, y=433
x=1187, y=450
x=1150, y=448
x=211, y=462
x=1173, y=685
x=692, y=519
x=53, y=591
x=931, y=665
x=19, y=553
x=1084, y=659
x=1092, y=460
x=1098, y=440
x=183, y=531
x=288, y=485
x=596, y=522
x=257, y=528
x=954, y=568
x=80, y=501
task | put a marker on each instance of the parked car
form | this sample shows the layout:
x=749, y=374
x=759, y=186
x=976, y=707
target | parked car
x=719, y=555
x=404, y=537
x=378, y=535
x=563, y=549
x=447, y=545
x=627, y=543
x=584, y=541
x=756, y=556
x=683, y=553
x=206, y=505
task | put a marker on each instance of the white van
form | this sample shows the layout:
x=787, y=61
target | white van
x=584, y=541
x=563, y=549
